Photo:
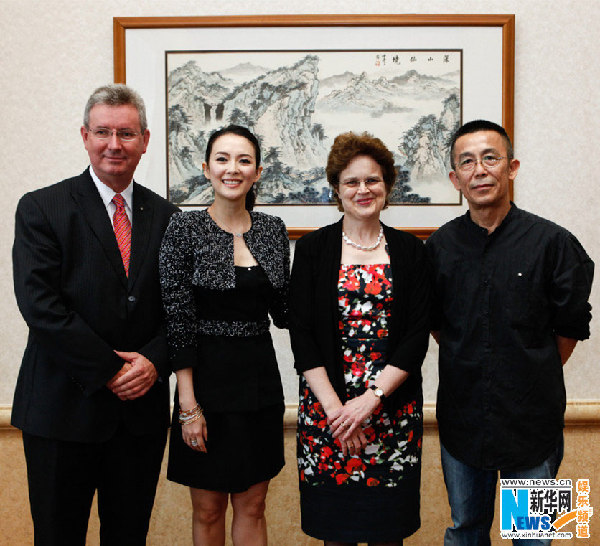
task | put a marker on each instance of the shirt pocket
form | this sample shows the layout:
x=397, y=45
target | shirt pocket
x=526, y=304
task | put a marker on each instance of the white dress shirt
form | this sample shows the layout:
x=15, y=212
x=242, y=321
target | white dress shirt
x=107, y=194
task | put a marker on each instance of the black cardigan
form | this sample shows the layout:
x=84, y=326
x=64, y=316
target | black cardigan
x=314, y=314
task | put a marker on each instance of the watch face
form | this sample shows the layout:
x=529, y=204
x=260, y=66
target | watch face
x=377, y=390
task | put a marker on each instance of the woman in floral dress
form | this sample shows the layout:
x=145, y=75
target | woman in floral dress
x=359, y=306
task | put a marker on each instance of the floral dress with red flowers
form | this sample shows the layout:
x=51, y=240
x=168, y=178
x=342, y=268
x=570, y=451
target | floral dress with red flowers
x=394, y=440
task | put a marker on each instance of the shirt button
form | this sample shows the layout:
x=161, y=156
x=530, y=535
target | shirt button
x=131, y=299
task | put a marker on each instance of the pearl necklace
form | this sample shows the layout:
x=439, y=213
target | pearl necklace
x=350, y=242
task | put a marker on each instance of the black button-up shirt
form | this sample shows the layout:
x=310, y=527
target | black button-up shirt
x=502, y=299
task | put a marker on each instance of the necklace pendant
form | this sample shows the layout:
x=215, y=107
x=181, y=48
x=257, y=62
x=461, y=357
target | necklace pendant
x=222, y=225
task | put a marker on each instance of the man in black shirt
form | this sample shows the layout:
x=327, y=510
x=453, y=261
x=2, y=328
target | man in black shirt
x=512, y=301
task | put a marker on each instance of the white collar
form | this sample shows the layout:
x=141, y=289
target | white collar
x=107, y=193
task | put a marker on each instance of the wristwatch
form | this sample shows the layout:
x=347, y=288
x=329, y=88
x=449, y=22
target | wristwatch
x=378, y=391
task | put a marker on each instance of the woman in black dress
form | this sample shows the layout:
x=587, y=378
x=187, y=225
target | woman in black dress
x=223, y=270
x=359, y=305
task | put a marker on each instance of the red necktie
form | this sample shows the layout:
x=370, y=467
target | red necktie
x=122, y=227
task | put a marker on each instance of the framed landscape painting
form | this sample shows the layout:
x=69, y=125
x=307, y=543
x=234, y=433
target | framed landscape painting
x=298, y=81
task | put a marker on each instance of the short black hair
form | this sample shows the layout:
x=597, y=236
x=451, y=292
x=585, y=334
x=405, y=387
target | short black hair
x=235, y=130
x=474, y=127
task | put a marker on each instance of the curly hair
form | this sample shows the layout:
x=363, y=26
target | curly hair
x=349, y=145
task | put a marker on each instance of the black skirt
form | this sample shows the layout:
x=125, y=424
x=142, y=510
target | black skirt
x=361, y=514
x=243, y=449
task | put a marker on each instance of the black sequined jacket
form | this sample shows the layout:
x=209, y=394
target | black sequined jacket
x=197, y=253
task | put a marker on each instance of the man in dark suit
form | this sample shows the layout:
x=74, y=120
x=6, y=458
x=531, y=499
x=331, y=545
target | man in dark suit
x=92, y=396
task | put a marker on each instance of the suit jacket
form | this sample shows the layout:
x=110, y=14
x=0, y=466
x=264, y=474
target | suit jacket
x=72, y=290
x=314, y=311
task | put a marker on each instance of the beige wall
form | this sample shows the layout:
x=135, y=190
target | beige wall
x=55, y=52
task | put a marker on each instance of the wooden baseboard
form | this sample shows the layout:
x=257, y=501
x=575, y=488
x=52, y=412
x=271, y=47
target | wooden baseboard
x=579, y=412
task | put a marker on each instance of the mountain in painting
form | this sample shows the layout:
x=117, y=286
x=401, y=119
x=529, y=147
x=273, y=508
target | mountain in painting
x=243, y=72
x=425, y=148
x=277, y=106
x=292, y=112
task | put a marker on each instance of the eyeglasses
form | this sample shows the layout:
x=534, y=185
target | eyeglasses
x=354, y=184
x=125, y=135
x=488, y=160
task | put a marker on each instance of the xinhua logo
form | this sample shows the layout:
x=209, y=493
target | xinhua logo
x=542, y=508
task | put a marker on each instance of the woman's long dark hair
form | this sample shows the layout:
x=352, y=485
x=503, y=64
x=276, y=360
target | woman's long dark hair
x=248, y=135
